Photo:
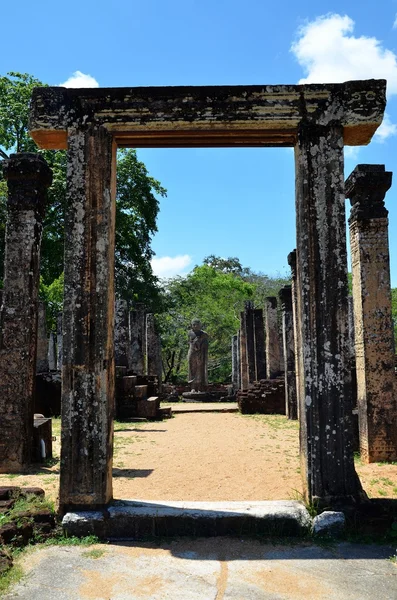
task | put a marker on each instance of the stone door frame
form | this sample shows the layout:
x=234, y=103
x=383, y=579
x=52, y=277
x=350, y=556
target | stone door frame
x=317, y=120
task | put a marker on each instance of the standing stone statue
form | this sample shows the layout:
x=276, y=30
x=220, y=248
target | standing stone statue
x=198, y=357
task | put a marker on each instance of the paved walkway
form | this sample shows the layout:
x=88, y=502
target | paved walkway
x=208, y=569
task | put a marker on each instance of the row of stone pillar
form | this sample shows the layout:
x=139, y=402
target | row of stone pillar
x=321, y=325
x=260, y=352
x=370, y=346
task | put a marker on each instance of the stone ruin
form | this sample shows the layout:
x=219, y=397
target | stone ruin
x=317, y=120
x=137, y=351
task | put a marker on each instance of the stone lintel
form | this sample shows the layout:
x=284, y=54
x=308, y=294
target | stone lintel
x=366, y=188
x=186, y=116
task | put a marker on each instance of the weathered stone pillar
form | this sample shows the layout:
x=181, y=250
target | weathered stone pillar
x=285, y=295
x=42, y=340
x=374, y=340
x=238, y=361
x=244, y=378
x=121, y=334
x=325, y=412
x=297, y=326
x=52, y=354
x=153, y=349
x=260, y=356
x=137, y=341
x=235, y=365
x=59, y=341
x=273, y=353
x=250, y=340
x=88, y=321
x=28, y=177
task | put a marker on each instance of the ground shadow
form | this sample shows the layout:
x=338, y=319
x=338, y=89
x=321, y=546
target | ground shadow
x=142, y=430
x=132, y=473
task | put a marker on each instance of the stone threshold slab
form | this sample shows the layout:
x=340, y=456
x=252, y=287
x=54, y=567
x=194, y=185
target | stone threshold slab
x=139, y=519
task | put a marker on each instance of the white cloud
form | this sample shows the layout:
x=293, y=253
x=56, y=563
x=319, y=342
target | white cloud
x=386, y=129
x=80, y=80
x=328, y=52
x=351, y=152
x=395, y=23
x=169, y=266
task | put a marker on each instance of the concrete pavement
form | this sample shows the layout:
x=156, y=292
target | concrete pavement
x=208, y=569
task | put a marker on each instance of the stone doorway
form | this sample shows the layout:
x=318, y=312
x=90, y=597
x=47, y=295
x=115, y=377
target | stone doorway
x=317, y=120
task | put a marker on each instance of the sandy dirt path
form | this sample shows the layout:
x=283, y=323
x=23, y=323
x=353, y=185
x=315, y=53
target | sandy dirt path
x=206, y=456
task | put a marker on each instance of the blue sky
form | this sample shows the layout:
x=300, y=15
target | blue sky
x=228, y=202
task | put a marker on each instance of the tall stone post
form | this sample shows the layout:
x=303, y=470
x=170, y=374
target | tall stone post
x=121, y=334
x=244, y=377
x=250, y=340
x=374, y=340
x=137, y=341
x=260, y=356
x=88, y=321
x=59, y=341
x=235, y=361
x=238, y=361
x=28, y=177
x=273, y=350
x=297, y=326
x=52, y=354
x=42, y=341
x=153, y=350
x=285, y=295
x=325, y=412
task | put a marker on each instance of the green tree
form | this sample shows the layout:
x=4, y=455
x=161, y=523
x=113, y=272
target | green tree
x=137, y=205
x=215, y=293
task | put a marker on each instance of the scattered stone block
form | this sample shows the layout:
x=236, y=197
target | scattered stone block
x=10, y=491
x=141, y=392
x=82, y=523
x=329, y=523
x=148, y=408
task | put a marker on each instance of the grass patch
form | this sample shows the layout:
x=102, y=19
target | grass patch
x=274, y=421
x=64, y=540
x=9, y=578
x=94, y=553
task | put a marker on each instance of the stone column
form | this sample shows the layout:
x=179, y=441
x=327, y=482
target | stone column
x=52, y=355
x=238, y=361
x=326, y=411
x=285, y=295
x=59, y=341
x=137, y=341
x=42, y=341
x=374, y=340
x=297, y=326
x=153, y=349
x=235, y=361
x=244, y=378
x=260, y=356
x=121, y=334
x=250, y=340
x=273, y=353
x=88, y=321
x=28, y=177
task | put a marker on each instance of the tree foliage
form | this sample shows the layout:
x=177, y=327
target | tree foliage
x=215, y=293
